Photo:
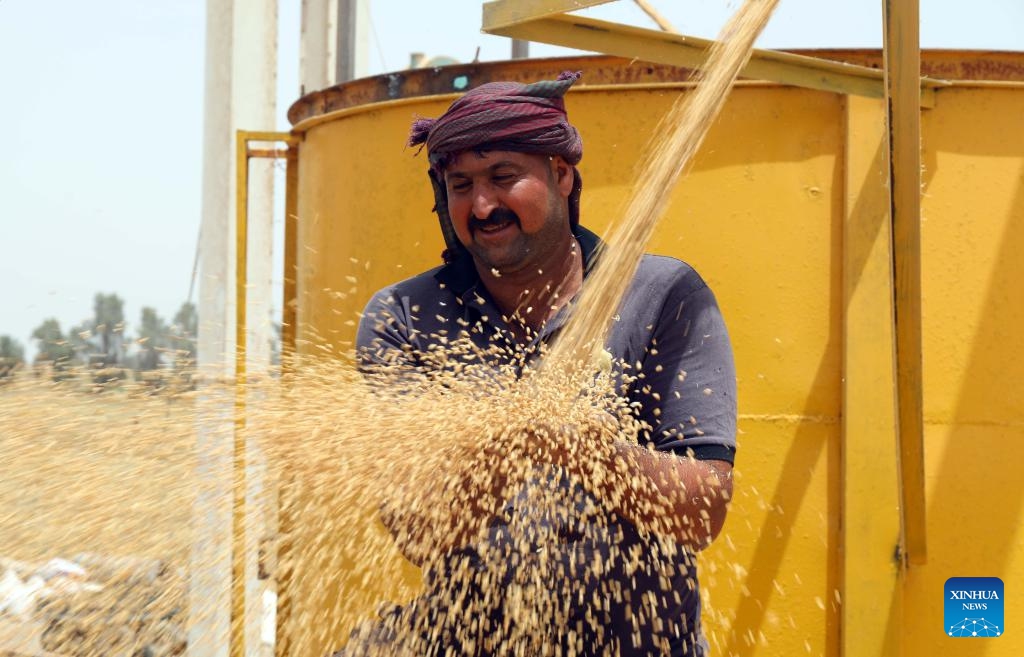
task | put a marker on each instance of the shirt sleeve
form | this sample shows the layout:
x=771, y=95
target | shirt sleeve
x=687, y=381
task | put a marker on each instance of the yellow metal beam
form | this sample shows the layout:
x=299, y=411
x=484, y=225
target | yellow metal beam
x=679, y=50
x=269, y=153
x=289, y=304
x=284, y=645
x=238, y=552
x=268, y=136
x=239, y=486
x=902, y=57
x=870, y=569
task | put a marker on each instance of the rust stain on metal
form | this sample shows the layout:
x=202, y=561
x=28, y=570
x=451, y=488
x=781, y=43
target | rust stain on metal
x=603, y=69
x=453, y=79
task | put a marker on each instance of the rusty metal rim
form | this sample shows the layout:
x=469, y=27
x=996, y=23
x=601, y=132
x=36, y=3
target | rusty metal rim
x=958, y=66
x=307, y=124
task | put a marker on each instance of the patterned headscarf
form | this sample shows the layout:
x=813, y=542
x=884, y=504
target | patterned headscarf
x=506, y=116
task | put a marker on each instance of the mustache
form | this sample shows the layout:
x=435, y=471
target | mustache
x=497, y=216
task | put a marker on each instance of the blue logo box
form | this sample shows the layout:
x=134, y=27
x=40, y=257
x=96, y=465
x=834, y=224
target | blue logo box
x=974, y=607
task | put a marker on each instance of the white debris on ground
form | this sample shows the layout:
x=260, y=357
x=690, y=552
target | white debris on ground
x=91, y=605
x=22, y=586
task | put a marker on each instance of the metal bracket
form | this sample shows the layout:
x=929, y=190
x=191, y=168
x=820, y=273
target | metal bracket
x=243, y=153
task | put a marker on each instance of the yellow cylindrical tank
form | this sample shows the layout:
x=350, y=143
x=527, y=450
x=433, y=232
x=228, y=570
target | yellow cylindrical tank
x=783, y=213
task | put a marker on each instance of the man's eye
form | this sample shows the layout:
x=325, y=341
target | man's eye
x=460, y=187
x=503, y=178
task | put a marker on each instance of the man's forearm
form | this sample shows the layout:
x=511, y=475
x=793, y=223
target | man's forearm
x=447, y=503
x=673, y=495
x=659, y=492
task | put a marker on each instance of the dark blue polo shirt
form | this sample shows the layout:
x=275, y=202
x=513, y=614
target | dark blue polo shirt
x=670, y=332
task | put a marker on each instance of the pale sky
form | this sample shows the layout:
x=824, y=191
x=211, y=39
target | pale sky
x=100, y=180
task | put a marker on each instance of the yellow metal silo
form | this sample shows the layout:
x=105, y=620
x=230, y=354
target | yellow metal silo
x=786, y=213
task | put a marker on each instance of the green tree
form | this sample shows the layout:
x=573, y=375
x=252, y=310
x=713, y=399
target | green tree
x=154, y=337
x=12, y=354
x=11, y=349
x=51, y=344
x=108, y=318
x=184, y=332
x=80, y=336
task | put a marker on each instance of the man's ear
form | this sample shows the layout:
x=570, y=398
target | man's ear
x=563, y=175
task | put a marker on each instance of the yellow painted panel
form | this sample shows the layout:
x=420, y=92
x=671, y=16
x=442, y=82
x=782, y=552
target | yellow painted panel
x=973, y=267
x=973, y=310
x=870, y=482
x=975, y=503
x=759, y=216
x=771, y=579
x=365, y=217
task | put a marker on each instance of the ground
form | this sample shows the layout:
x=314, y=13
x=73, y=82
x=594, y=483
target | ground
x=110, y=474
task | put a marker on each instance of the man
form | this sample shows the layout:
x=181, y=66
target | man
x=616, y=554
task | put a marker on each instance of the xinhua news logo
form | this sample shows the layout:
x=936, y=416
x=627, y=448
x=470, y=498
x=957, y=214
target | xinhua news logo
x=974, y=607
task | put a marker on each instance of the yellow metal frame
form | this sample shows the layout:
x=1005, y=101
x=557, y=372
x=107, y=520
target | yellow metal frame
x=870, y=534
x=243, y=153
x=902, y=54
x=547, y=21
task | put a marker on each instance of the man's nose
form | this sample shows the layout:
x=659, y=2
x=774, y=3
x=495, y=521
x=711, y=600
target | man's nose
x=484, y=201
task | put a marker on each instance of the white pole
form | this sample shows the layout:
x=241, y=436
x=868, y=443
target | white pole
x=316, y=47
x=216, y=303
x=240, y=93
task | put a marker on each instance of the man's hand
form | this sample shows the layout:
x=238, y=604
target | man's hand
x=659, y=492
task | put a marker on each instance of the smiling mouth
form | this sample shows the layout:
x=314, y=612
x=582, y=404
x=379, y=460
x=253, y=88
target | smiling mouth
x=498, y=220
x=494, y=226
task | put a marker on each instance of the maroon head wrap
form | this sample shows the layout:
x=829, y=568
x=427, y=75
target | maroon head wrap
x=506, y=116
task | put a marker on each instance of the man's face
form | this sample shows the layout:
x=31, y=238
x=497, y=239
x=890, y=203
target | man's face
x=509, y=209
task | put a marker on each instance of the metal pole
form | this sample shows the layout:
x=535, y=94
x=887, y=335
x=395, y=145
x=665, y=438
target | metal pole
x=903, y=96
x=520, y=49
x=289, y=305
x=285, y=631
x=238, y=518
x=344, y=66
x=351, y=45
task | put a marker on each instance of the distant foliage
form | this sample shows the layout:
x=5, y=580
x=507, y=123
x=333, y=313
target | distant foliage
x=52, y=346
x=101, y=347
x=154, y=339
x=184, y=332
x=12, y=356
x=108, y=325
